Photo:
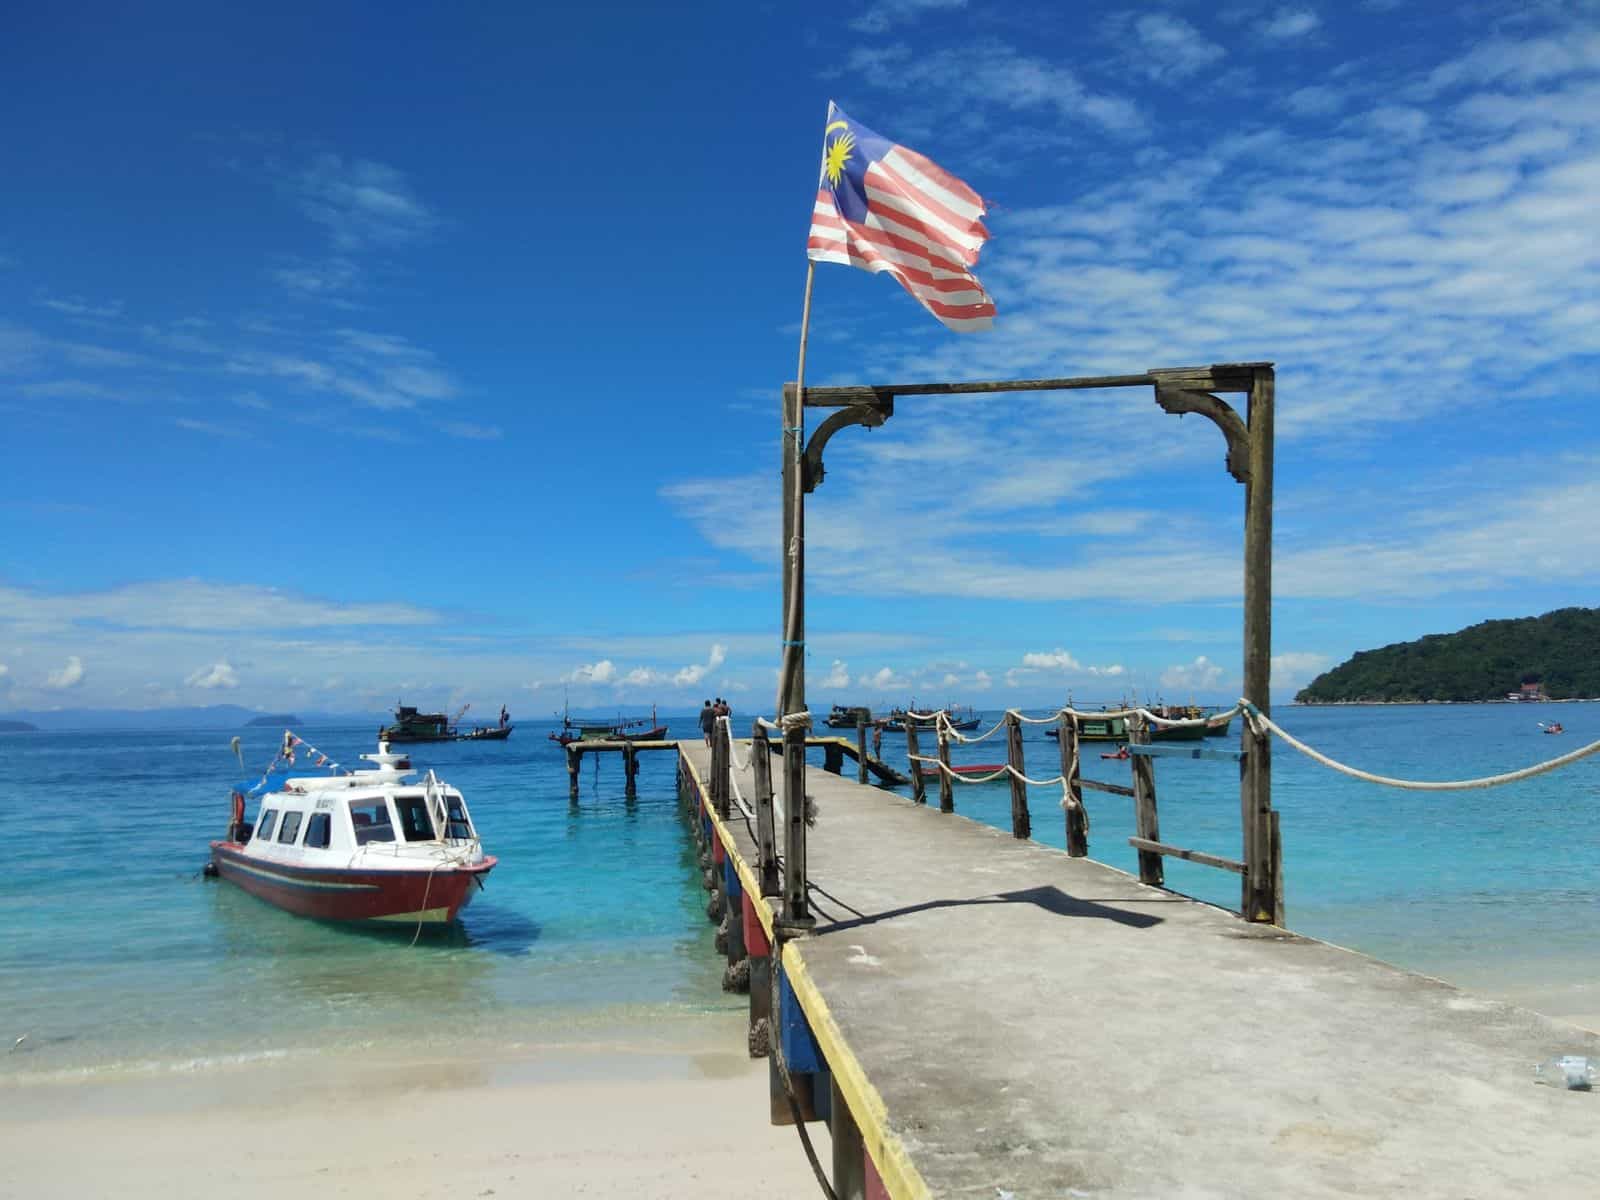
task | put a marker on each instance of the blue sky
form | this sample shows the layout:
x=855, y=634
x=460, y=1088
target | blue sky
x=438, y=353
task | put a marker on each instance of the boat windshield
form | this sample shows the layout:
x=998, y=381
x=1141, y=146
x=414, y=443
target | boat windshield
x=415, y=823
x=458, y=825
x=370, y=818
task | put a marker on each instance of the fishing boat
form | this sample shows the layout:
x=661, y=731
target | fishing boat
x=637, y=730
x=1217, y=724
x=369, y=845
x=1177, y=733
x=1095, y=728
x=848, y=716
x=962, y=720
x=411, y=726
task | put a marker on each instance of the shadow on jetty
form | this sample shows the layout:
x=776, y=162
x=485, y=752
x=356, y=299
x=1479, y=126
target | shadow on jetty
x=1051, y=899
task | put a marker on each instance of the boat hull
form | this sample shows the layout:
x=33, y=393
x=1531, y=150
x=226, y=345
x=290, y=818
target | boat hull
x=431, y=897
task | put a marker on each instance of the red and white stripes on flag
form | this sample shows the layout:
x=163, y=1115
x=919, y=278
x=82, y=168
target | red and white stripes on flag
x=921, y=225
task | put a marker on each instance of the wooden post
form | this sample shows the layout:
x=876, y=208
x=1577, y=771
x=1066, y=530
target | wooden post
x=919, y=786
x=849, y=1151
x=1145, y=824
x=796, y=905
x=861, y=749
x=766, y=837
x=947, y=795
x=1077, y=821
x=719, y=768
x=574, y=763
x=792, y=685
x=1021, y=822
x=630, y=770
x=1255, y=799
x=832, y=756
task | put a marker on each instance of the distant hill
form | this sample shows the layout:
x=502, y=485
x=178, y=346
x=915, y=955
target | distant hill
x=273, y=719
x=214, y=716
x=1560, y=650
x=17, y=727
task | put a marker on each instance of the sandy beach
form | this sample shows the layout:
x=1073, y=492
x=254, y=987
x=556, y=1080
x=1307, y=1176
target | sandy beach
x=602, y=1119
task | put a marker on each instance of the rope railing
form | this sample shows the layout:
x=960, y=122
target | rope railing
x=1067, y=798
x=1260, y=721
x=939, y=719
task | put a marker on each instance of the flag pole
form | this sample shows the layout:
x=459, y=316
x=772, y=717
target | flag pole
x=791, y=679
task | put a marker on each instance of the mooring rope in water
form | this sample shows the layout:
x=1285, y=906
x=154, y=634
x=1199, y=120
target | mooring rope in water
x=1260, y=721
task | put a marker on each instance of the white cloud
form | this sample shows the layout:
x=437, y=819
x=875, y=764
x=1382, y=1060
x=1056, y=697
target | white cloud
x=1289, y=23
x=1058, y=660
x=603, y=671
x=881, y=680
x=1171, y=48
x=688, y=676
x=1315, y=100
x=1292, y=670
x=198, y=605
x=217, y=675
x=981, y=682
x=883, y=15
x=361, y=203
x=837, y=677
x=69, y=676
x=1200, y=675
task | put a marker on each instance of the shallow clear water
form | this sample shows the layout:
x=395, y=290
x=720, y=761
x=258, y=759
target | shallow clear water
x=119, y=956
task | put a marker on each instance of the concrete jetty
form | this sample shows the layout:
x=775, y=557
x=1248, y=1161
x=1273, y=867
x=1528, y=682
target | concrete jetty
x=999, y=1019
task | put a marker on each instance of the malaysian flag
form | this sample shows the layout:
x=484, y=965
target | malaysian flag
x=882, y=207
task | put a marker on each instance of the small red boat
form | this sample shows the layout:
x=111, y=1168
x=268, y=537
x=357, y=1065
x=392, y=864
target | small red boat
x=930, y=773
x=366, y=845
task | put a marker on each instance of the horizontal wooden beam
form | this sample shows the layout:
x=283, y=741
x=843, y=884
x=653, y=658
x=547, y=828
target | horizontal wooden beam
x=1186, y=752
x=1094, y=785
x=1205, y=860
x=1218, y=377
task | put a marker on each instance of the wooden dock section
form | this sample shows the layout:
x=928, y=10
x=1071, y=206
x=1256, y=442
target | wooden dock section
x=993, y=1018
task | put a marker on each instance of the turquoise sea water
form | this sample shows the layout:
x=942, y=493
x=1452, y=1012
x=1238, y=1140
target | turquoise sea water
x=118, y=956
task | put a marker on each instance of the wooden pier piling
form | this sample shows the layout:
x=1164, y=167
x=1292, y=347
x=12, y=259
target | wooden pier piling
x=919, y=786
x=1021, y=822
x=1145, y=824
x=1077, y=818
x=947, y=795
x=861, y=750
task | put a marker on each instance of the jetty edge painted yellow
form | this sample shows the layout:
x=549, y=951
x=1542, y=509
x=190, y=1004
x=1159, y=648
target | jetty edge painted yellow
x=889, y=1155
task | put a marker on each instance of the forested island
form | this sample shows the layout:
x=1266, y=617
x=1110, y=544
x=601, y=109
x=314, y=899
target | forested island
x=272, y=719
x=1558, y=652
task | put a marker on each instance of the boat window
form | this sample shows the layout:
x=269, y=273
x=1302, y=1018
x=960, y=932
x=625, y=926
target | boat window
x=317, y=830
x=291, y=827
x=370, y=818
x=459, y=826
x=264, y=825
x=414, y=819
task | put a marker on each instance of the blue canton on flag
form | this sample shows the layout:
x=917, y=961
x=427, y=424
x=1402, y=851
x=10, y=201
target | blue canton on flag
x=883, y=207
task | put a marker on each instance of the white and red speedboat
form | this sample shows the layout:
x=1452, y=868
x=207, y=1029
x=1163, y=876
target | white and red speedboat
x=367, y=845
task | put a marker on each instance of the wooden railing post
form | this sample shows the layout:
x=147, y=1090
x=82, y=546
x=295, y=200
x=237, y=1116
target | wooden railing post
x=630, y=770
x=947, y=795
x=766, y=837
x=1021, y=822
x=1258, y=901
x=1262, y=889
x=796, y=904
x=861, y=749
x=1077, y=821
x=719, y=767
x=1145, y=824
x=919, y=786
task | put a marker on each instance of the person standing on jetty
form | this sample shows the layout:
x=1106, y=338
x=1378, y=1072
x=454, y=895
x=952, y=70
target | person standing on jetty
x=708, y=718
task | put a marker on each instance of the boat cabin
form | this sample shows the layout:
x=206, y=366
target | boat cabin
x=342, y=814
